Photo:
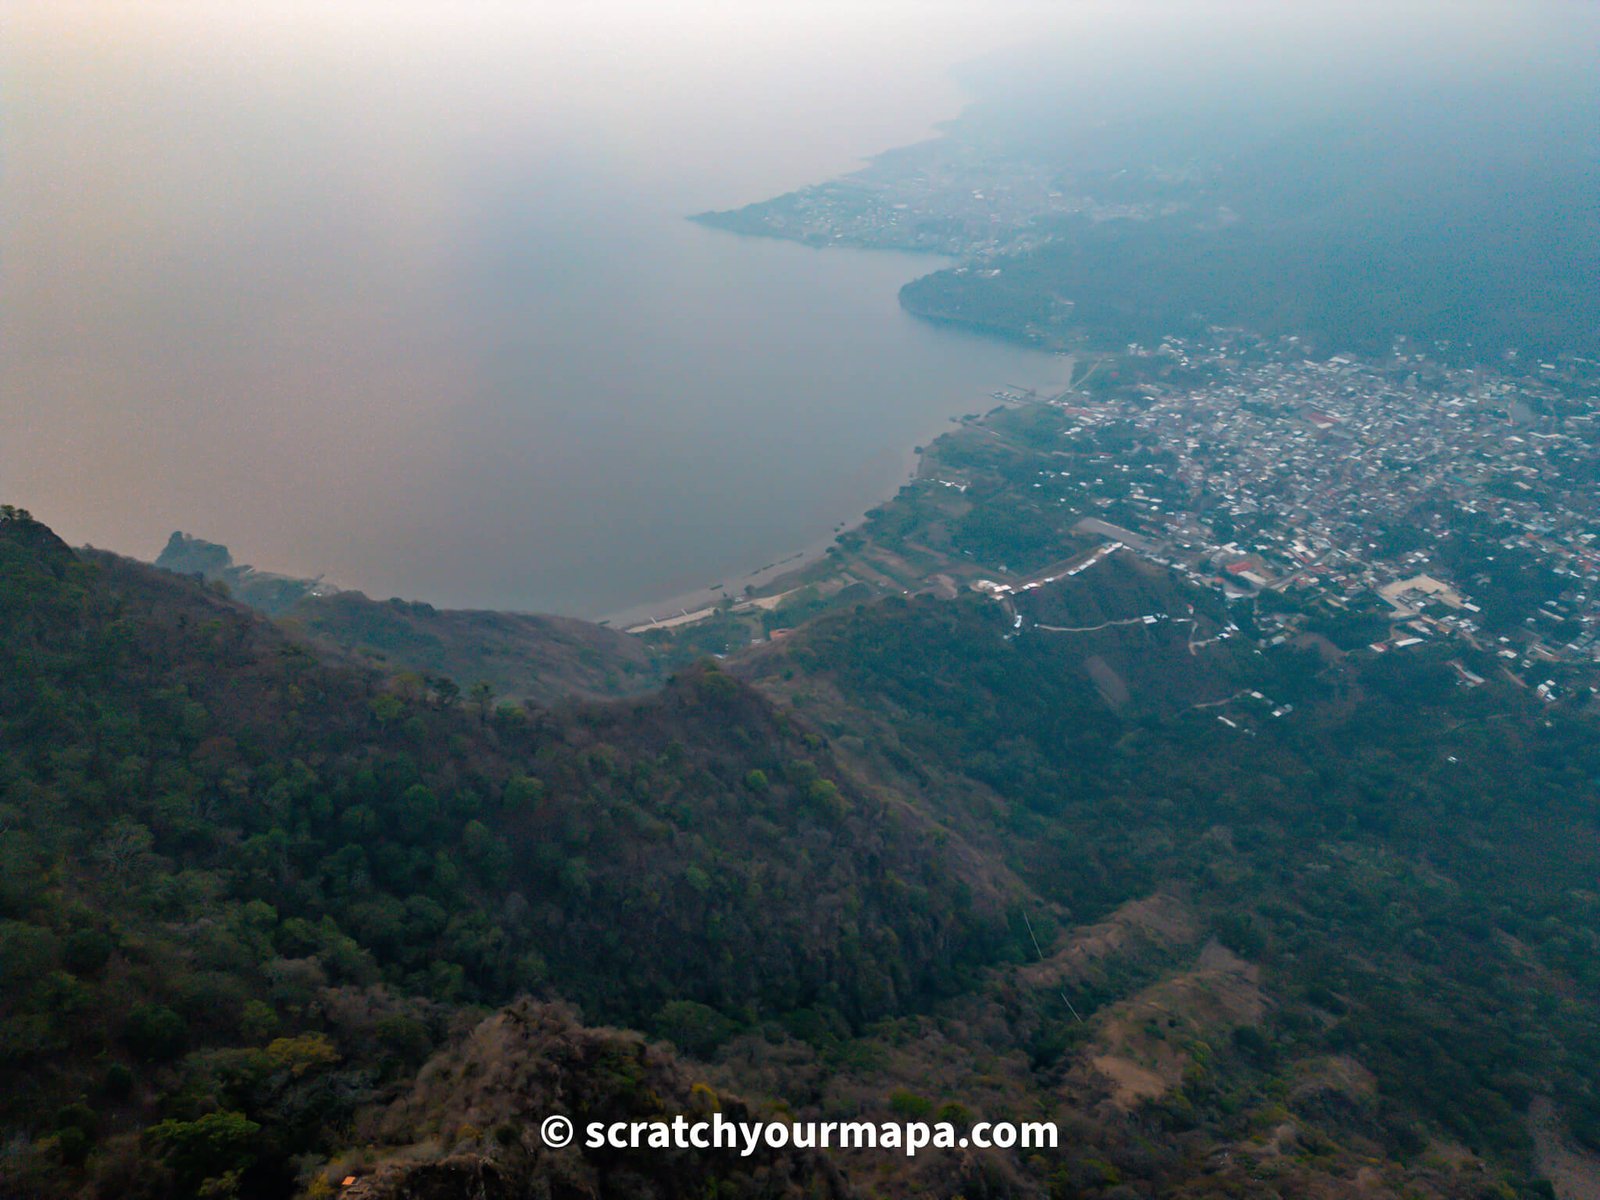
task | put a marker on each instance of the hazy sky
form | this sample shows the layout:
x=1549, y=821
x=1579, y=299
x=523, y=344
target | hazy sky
x=254, y=255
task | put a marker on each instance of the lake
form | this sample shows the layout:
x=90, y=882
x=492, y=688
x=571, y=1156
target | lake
x=403, y=294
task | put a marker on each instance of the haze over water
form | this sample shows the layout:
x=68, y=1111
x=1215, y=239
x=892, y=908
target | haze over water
x=404, y=293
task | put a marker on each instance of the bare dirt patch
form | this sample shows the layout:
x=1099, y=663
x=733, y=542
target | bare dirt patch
x=1159, y=921
x=1111, y=685
x=1575, y=1173
x=1143, y=1046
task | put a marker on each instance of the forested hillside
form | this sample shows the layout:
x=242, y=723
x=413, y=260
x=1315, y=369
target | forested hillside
x=216, y=844
x=258, y=906
x=485, y=654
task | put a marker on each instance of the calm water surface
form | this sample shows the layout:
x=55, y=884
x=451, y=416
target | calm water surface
x=404, y=294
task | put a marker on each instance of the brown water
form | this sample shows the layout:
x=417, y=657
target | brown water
x=401, y=290
x=403, y=293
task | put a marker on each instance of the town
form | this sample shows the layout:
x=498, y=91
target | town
x=1439, y=501
x=1371, y=506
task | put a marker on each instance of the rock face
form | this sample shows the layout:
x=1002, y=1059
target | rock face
x=261, y=590
x=469, y=1126
x=186, y=555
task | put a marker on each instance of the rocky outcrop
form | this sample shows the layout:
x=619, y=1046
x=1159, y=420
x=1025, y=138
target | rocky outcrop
x=211, y=561
x=470, y=1124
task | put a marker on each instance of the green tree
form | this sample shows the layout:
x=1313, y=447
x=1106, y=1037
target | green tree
x=693, y=1027
x=155, y=1032
x=212, y=1147
x=387, y=707
x=446, y=691
x=482, y=696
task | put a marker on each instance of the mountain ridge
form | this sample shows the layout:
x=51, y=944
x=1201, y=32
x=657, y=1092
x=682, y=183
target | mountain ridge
x=897, y=863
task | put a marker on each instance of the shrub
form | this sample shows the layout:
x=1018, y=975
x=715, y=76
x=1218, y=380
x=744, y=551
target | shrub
x=155, y=1033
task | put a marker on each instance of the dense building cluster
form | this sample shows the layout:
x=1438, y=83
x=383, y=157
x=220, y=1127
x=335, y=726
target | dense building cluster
x=1457, y=501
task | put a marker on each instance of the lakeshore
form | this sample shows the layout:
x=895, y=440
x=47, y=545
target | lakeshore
x=764, y=586
x=700, y=603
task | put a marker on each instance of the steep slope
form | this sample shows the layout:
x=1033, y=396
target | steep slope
x=1408, y=863
x=520, y=656
x=215, y=840
x=907, y=863
x=1336, y=952
x=509, y=656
